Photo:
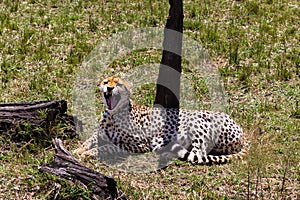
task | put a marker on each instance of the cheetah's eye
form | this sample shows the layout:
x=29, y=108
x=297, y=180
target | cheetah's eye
x=105, y=82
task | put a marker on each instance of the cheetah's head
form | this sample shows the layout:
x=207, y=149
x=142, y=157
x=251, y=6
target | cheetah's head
x=115, y=93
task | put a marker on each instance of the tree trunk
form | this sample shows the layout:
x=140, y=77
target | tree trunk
x=66, y=167
x=168, y=83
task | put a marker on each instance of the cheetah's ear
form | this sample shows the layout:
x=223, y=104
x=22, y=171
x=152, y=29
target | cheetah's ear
x=127, y=85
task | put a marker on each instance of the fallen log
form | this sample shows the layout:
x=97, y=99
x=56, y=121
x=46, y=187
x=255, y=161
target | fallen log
x=40, y=116
x=66, y=167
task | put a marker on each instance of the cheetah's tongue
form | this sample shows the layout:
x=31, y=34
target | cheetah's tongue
x=108, y=99
x=109, y=102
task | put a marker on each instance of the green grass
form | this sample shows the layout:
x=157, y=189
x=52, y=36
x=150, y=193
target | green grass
x=255, y=44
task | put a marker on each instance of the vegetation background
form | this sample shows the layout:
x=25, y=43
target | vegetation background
x=254, y=43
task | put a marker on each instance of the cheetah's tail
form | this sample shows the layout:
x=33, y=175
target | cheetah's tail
x=215, y=159
x=222, y=159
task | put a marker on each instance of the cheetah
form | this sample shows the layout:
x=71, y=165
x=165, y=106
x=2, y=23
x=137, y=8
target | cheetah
x=198, y=136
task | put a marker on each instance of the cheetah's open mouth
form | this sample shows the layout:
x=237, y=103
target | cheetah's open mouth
x=111, y=100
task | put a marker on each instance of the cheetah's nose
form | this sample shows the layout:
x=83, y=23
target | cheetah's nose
x=109, y=89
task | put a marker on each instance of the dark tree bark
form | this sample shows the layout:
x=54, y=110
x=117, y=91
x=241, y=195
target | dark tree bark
x=42, y=115
x=66, y=167
x=168, y=83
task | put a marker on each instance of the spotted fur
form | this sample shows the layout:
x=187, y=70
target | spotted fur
x=201, y=137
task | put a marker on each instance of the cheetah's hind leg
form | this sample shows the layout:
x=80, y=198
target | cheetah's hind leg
x=170, y=152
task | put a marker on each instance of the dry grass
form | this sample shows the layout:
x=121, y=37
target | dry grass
x=256, y=44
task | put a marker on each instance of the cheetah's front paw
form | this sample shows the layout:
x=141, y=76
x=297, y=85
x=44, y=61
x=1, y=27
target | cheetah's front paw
x=83, y=152
x=79, y=151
